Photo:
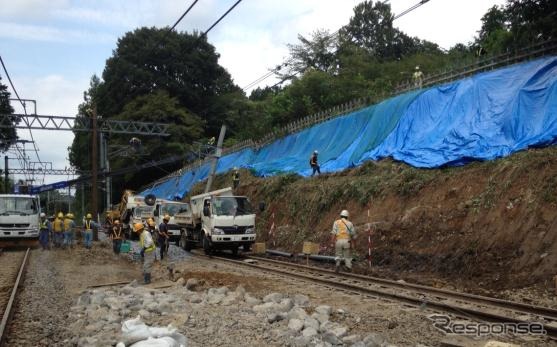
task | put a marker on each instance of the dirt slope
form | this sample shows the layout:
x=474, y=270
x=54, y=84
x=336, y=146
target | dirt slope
x=490, y=223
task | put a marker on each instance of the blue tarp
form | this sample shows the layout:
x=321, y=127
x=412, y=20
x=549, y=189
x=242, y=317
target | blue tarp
x=482, y=117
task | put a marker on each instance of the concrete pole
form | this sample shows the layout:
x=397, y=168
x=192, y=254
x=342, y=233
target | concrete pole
x=215, y=160
x=94, y=168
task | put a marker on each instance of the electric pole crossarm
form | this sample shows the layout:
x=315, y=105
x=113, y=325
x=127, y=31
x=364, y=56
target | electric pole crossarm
x=46, y=122
x=60, y=172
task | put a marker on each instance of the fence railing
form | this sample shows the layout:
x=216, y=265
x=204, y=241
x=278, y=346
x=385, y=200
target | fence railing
x=485, y=64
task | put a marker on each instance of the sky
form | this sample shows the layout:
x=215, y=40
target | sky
x=51, y=48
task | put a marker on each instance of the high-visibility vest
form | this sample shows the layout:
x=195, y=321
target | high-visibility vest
x=87, y=225
x=58, y=225
x=43, y=225
x=343, y=233
x=117, y=233
x=146, y=241
x=67, y=224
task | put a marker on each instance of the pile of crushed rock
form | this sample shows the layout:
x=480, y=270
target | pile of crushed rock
x=189, y=315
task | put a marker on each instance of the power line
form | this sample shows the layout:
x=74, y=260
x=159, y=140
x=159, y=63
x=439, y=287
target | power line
x=22, y=104
x=221, y=18
x=182, y=16
x=260, y=79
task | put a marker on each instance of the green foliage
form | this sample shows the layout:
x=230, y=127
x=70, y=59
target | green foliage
x=8, y=136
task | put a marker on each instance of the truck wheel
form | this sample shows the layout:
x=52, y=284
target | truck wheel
x=182, y=241
x=234, y=251
x=189, y=245
x=206, y=246
x=246, y=247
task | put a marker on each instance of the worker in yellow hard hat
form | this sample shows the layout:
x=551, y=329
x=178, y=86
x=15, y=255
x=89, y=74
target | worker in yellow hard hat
x=69, y=230
x=117, y=236
x=164, y=237
x=148, y=249
x=88, y=226
x=58, y=230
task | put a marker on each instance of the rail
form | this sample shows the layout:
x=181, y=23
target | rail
x=8, y=311
x=463, y=305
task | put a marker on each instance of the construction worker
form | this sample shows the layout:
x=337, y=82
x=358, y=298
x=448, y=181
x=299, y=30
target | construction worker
x=44, y=232
x=117, y=236
x=163, y=235
x=342, y=236
x=314, y=164
x=88, y=226
x=69, y=230
x=58, y=229
x=236, y=178
x=148, y=249
x=418, y=77
x=151, y=227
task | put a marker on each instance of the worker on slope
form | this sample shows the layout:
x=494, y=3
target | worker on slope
x=117, y=236
x=88, y=226
x=44, y=232
x=236, y=178
x=342, y=236
x=418, y=77
x=148, y=249
x=69, y=230
x=163, y=235
x=314, y=164
x=58, y=230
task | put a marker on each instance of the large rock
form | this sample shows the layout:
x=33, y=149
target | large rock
x=374, y=340
x=268, y=307
x=222, y=290
x=241, y=291
x=309, y=332
x=230, y=299
x=273, y=297
x=214, y=298
x=331, y=338
x=297, y=313
x=286, y=305
x=301, y=300
x=351, y=340
x=97, y=298
x=192, y=284
x=251, y=300
x=295, y=325
x=180, y=282
x=301, y=341
x=84, y=299
x=324, y=310
x=311, y=323
x=321, y=318
x=275, y=317
x=195, y=299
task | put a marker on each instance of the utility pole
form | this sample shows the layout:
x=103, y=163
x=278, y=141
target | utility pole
x=215, y=160
x=94, y=170
x=69, y=200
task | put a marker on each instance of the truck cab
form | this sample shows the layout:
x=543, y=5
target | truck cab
x=219, y=220
x=19, y=218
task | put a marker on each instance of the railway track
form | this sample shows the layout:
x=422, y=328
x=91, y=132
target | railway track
x=12, y=269
x=462, y=305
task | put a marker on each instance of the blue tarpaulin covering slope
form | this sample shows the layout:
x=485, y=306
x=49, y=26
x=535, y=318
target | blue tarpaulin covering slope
x=483, y=117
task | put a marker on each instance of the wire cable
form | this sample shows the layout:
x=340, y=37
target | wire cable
x=24, y=109
x=221, y=18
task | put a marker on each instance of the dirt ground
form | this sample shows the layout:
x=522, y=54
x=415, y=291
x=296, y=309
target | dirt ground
x=485, y=228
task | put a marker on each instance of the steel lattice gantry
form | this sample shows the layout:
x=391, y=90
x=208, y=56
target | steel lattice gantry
x=46, y=122
x=59, y=172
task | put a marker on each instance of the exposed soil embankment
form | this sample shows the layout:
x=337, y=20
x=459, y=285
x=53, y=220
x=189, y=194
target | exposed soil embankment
x=490, y=224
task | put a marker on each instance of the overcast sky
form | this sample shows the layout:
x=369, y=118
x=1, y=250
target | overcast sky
x=52, y=47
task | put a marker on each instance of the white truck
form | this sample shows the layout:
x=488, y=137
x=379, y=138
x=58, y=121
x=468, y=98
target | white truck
x=171, y=208
x=217, y=220
x=19, y=219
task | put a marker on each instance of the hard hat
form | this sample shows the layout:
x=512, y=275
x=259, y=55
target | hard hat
x=137, y=227
x=166, y=217
x=116, y=221
x=315, y=152
x=417, y=67
x=68, y=215
x=43, y=215
x=344, y=213
x=60, y=215
x=151, y=222
x=89, y=216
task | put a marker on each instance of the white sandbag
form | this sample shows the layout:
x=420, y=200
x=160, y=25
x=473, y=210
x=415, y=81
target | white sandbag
x=135, y=331
x=165, y=341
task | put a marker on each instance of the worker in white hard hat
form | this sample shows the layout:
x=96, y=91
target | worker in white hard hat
x=314, y=164
x=418, y=77
x=342, y=236
x=44, y=232
x=236, y=178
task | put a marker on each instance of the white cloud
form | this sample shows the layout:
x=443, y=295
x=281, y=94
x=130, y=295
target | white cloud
x=45, y=33
x=30, y=8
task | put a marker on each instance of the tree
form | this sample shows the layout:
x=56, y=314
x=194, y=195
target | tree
x=149, y=59
x=8, y=136
x=317, y=53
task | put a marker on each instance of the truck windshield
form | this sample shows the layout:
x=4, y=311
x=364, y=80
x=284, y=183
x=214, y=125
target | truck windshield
x=143, y=211
x=18, y=205
x=173, y=209
x=231, y=206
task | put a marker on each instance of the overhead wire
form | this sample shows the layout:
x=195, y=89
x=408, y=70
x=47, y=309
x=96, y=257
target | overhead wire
x=24, y=110
x=221, y=18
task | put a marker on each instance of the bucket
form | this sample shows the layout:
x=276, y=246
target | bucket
x=125, y=247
